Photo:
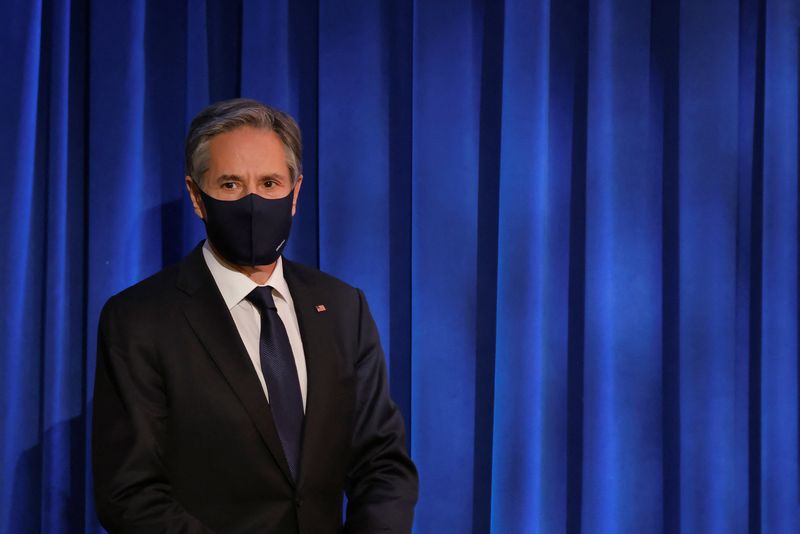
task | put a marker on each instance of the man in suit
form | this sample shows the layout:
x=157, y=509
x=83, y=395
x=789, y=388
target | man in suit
x=237, y=391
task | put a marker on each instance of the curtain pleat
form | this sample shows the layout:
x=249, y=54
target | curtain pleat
x=780, y=492
x=445, y=112
x=529, y=450
x=576, y=223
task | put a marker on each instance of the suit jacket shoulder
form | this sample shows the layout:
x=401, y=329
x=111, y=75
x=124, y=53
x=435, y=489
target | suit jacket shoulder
x=307, y=277
x=154, y=291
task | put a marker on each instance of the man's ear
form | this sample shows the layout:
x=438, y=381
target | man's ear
x=296, y=193
x=194, y=196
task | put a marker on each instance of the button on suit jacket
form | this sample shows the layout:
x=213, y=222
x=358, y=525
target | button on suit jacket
x=183, y=437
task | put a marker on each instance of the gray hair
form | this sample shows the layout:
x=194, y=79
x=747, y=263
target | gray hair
x=231, y=114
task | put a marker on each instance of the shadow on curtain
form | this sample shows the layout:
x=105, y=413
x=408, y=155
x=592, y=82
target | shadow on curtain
x=576, y=223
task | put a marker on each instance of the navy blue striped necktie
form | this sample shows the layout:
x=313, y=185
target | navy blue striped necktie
x=280, y=374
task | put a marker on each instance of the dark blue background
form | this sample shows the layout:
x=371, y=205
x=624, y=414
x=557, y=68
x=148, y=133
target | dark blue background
x=576, y=222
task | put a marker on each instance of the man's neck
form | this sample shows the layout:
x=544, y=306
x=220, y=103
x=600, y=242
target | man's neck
x=258, y=273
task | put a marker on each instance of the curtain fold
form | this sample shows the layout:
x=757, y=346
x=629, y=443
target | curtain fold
x=576, y=223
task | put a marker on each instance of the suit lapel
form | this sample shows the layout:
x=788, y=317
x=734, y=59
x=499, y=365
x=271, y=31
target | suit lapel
x=321, y=362
x=211, y=321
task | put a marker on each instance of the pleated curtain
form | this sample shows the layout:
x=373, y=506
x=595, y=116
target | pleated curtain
x=576, y=223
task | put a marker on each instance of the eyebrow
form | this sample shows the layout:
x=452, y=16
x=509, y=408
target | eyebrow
x=228, y=178
x=273, y=176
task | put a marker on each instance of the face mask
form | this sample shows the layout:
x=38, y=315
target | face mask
x=251, y=230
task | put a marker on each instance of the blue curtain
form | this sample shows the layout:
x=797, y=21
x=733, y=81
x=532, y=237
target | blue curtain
x=576, y=222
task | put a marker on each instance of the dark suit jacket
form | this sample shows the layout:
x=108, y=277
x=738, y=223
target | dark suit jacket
x=183, y=438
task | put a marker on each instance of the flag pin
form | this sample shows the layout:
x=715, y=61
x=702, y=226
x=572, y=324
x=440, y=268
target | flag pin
x=320, y=308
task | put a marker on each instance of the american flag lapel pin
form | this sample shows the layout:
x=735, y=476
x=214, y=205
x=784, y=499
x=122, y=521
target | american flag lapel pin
x=320, y=308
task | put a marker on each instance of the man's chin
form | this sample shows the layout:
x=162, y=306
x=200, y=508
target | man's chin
x=264, y=268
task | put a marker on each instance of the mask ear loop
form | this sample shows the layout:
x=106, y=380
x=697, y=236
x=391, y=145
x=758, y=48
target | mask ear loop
x=293, y=192
x=198, y=198
x=291, y=203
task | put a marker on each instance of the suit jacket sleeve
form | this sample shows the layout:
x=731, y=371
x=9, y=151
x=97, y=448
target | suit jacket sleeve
x=132, y=490
x=382, y=481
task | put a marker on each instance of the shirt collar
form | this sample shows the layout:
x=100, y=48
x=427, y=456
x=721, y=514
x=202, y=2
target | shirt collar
x=235, y=286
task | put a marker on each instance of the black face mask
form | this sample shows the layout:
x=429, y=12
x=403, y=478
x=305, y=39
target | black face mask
x=251, y=230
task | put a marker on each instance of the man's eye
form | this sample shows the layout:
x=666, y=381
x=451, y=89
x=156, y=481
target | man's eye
x=229, y=185
x=269, y=183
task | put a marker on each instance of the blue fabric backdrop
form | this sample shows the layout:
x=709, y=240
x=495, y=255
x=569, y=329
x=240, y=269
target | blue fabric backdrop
x=576, y=222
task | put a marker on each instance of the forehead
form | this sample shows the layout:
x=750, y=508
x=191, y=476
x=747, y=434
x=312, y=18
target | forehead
x=247, y=149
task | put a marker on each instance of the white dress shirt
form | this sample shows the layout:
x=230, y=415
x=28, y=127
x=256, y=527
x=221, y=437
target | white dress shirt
x=234, y=287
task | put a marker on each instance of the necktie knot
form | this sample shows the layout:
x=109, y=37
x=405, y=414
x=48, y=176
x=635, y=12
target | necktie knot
x=261, y=298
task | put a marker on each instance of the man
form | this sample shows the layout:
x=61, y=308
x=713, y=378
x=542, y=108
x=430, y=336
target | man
x=238, y=391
